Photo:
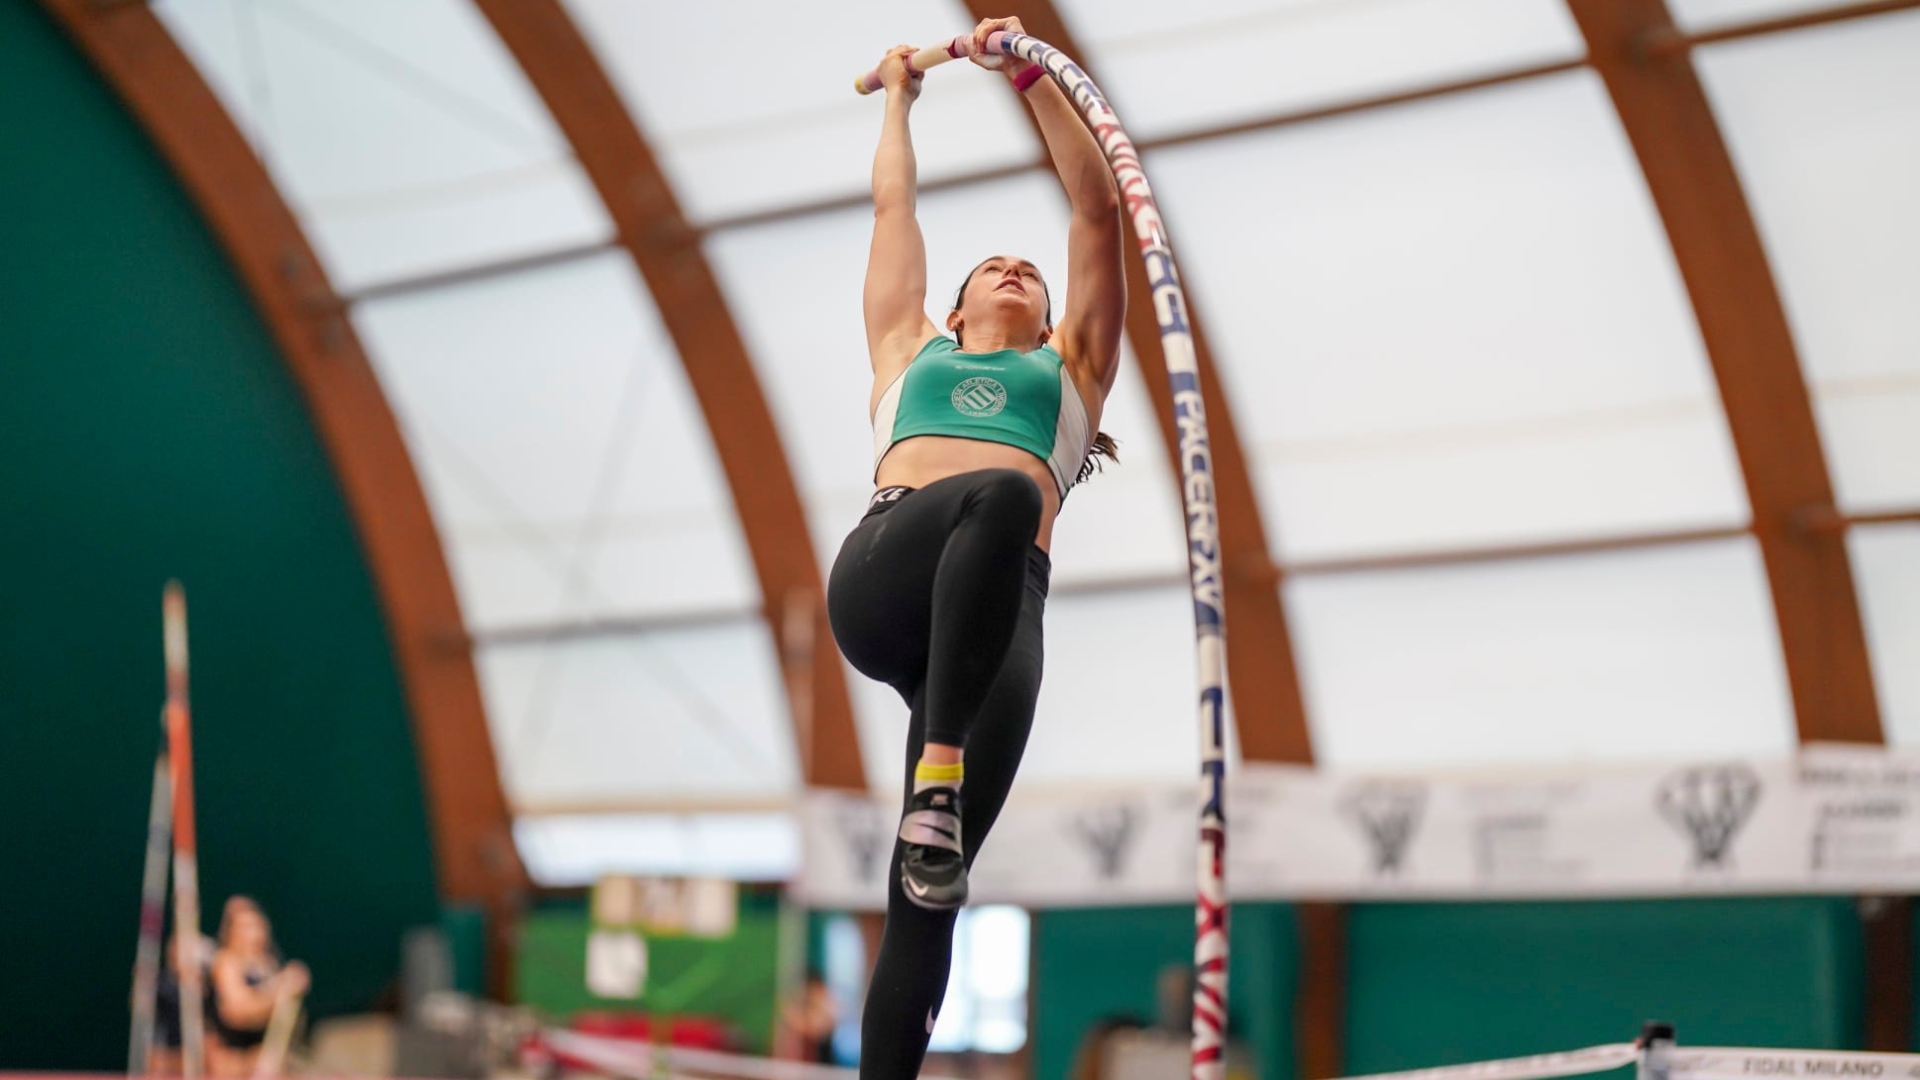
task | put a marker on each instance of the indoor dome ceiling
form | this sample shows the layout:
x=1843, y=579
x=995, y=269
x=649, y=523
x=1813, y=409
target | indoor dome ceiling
x=1489, y=441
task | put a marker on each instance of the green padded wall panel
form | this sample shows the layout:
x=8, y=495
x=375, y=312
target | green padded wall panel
x=1092, y=963
x=148, y=429
x=732, y=979
x=1435, y=984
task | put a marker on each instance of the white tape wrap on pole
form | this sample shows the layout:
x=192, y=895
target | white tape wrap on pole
x=930, y=57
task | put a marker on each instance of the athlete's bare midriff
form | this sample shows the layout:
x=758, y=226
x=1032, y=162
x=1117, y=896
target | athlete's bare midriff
x=922, y=459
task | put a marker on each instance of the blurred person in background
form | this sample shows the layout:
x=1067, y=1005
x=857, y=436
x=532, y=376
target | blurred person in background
x=810, y=1019
x=249, y=980
x=1090, y=1056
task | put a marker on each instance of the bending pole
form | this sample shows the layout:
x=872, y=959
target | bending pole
x=186, y=864
x=1196, y=492
x=153, y=914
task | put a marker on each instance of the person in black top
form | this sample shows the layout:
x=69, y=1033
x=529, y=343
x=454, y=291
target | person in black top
x=810, y=1020
x=248, y=981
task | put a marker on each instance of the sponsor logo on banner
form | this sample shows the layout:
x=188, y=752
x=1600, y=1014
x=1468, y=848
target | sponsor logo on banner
x=1742, y=1063
x=1517, y=833
x=1865, y=811
x=1510, y=845
x=1108, y=832
x=865, y=835
x=1710, y=803
x=1388, y=813
x=1823, y=820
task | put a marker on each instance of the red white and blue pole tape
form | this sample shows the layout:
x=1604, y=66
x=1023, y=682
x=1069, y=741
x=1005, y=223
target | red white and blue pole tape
x=186, y=856
x=1196, y=491
x=153, y=914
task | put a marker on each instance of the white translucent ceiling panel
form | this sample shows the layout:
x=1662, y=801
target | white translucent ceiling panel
x=1177, y=67
x=567, y=462
x=1824, y=125
x=1695, y=15
x=795, y=288
x=563, y=850
x=404, y=135
x=1451, y=324
x=1116, y=702
x=1657, y=653
x=1886, y=572
x=881, y=721
x=752, y=105
x=689, y=715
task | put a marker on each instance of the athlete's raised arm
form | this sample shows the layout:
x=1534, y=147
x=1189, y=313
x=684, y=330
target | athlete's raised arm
x=894, y=300
x=1088, y=335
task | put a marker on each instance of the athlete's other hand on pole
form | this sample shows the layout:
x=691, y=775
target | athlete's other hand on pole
x=293, y=980
x=895, y=75
x=1012, y=65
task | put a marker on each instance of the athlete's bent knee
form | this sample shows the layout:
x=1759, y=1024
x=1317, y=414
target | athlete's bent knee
x=1010, y=492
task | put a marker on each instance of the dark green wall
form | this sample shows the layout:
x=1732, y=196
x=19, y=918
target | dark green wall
x=1437, y=984
x=149, y=430
x=1094, y=963
x=1434, y=984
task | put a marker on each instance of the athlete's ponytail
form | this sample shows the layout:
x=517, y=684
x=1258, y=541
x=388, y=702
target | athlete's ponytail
x=1103, y=447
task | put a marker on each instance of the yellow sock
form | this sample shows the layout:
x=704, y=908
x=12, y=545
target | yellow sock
x=926, y=776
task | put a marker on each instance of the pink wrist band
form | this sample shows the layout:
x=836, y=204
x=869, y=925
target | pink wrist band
x=1025, y=80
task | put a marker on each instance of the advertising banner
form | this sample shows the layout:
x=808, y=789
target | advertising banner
x=1830, y=819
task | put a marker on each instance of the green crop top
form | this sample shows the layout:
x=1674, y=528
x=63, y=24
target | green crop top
x=1020, y=399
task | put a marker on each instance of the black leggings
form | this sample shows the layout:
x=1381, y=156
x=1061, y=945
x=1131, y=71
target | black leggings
x=939, y=593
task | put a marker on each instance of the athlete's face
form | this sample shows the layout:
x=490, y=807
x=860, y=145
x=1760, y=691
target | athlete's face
x=1008, y=292
x=247, y=931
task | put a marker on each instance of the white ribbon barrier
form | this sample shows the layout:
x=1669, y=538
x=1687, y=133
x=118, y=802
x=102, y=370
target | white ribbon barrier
x=1829, y=819
x=618, y=1057
x=1592, y=1059
x=1682, y=1063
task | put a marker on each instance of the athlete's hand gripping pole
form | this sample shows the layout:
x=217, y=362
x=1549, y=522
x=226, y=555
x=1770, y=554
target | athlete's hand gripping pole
x=933, y=56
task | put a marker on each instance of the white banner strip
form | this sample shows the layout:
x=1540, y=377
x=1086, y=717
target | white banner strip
x=1591, y=1059
x=1828, y=820
x=1755, y=1063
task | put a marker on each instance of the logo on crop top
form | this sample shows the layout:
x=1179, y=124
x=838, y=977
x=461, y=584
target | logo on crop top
x=979, y=396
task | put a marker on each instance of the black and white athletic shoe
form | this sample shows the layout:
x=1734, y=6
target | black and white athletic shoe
x=933, y=870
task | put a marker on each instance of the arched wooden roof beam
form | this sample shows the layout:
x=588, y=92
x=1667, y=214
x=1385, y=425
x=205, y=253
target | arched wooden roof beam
x=666, y=249
x=1668, y=120
x=476, y=860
